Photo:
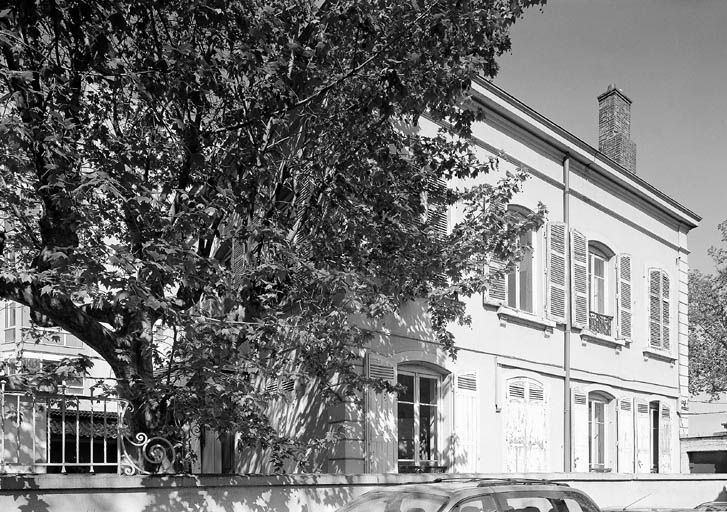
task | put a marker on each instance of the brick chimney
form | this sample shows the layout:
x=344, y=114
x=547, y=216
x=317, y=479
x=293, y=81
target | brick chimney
x=614, y=128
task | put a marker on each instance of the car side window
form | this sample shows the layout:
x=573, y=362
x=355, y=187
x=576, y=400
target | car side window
x=528, y=504
x=577, y=504
x=478, y=504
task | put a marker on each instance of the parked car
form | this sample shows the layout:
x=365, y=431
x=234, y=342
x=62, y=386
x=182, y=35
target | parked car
x=713, y=506
x=455, y=494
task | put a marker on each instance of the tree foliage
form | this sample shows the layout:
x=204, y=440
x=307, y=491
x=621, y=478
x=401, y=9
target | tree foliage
x=206, y=192
x=708, y=326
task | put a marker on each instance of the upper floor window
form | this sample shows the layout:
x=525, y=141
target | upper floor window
x=597, y=271
x=601, y=289
x=659, y=310
x=519, y=281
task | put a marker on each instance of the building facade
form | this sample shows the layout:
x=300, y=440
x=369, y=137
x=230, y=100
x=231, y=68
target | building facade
x=577, y=359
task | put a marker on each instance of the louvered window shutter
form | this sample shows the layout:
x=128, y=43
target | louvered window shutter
x=643, y=436
x=381, y=432
x=515, y=427
x=664, y=439
x=579, y=431
x=537, y=429
x=625, y=416
x=659, y=309
x=623, y=298
x=579, y=274
x=496, y=291
x=665, y=332
x=654, y=277
x=557, y=299
x=466, y=421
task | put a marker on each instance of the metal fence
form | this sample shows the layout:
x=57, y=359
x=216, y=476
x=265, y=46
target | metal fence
x=67, y=433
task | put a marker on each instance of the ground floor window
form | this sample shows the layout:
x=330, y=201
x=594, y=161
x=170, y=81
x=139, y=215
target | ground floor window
x=418, y=421
x=601, y=441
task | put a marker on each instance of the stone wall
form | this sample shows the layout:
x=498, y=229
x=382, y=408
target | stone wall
x=306, y=493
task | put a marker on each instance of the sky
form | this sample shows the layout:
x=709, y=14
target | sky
x=669, y=57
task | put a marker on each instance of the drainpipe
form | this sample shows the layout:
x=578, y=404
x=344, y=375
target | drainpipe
x=567, y=447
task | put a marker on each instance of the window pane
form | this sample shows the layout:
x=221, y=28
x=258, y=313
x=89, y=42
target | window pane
x=538, y=502
x=406, y=431
x=408, y=394
x=526, y=281
x=480, y=504
x=598, y=267
x=512, y=289
x=427, y=433
x=428, y=390
x=396, y=502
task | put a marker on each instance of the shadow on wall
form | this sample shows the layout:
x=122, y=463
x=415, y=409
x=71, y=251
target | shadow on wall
x=26, y=494
x=168, y=494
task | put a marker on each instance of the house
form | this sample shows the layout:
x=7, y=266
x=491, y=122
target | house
x=67, y=429
x=704, y=446
x=577, y=359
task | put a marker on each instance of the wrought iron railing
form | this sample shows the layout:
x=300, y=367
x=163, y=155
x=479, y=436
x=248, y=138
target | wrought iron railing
x=59, y=432
x=600, y=324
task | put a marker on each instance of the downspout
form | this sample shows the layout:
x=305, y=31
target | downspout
x=567, y=445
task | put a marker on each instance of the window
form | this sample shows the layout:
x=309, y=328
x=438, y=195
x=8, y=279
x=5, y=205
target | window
x=601, y=296
x=597, y=433
x=10, y=322
x=601, y=438
x=659, y=333
x=480, y=504
x=597, y=271
x=519, y=281
x=417, y=420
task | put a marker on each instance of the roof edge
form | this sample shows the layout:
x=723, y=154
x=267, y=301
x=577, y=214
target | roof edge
x=591, y=156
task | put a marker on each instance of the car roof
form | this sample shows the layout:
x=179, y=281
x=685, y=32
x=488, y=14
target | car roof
x=457, y=488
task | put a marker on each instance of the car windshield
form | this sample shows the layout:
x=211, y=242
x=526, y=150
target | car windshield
x=396, y=502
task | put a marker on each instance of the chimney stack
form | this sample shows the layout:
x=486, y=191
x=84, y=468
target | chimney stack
x=614, y=128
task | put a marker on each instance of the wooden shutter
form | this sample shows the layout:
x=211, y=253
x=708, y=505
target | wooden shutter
x=579, y=430
x=643, y=436
x=664, y=439
x=536, y=430
x=466, y=424
x=557, y=299
x=515, y=421
x=623, y=296
x=381, y=434
x=579, y=275
x=665, y=332
x=496, y=291
x=625, y=427
x=654, y=284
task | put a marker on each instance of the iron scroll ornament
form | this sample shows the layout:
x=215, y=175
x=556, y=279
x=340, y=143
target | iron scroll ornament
x=142, y=451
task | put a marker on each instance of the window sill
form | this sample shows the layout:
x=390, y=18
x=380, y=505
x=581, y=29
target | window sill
x=662, y=355
x=595, y=337
x=515, y=316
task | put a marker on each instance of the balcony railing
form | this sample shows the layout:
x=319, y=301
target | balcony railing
x=600, y=324
x=64, y=433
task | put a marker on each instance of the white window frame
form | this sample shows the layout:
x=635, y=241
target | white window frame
x=418, y=374
x=515, y=274
x=594, y=255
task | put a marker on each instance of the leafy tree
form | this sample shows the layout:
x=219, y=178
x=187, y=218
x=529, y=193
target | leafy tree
x=206, y=192
x=708, y=326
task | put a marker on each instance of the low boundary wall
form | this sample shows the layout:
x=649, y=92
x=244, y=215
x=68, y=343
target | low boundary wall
x=308, y=493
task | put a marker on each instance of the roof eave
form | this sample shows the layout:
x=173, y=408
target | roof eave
x=519, y=113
